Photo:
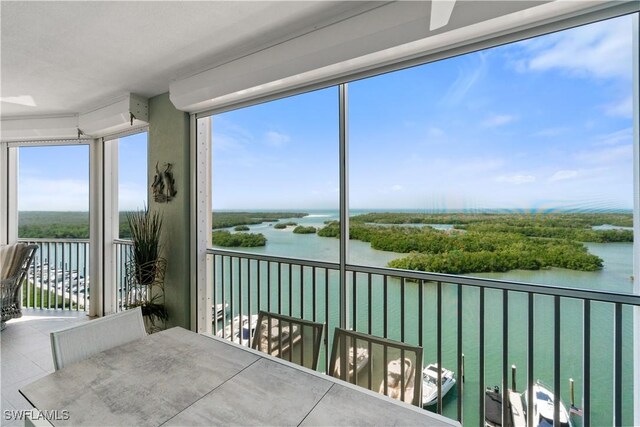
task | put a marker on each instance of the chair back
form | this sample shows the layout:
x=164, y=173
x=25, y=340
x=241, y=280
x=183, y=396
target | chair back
x=78, y=342
x=15, y=260
x=388, y=367
x=289, y=338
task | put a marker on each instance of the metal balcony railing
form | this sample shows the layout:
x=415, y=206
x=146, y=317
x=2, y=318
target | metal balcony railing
x=552, y=333
x=59, y=275
x=123, y=250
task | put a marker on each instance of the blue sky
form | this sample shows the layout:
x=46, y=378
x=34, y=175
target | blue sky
x=540, y=124
x=56, y=178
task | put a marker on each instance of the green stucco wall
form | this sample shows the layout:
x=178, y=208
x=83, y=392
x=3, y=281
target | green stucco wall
x=169, y=143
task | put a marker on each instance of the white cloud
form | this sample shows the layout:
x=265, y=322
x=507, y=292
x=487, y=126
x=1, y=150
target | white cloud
x=37, y=194
x=607, y=156
x=276, y=139
x=471, y=167
x=563, y=175
x=496, y=120
x=467, y=78
x=228, y=136
x=225, y=142
x=397, y=188
x=551, y=132
x=620, y=108
x=600, y=50
x=435, y=132
x=516, y=179
x=615, y=138
x=131, y=196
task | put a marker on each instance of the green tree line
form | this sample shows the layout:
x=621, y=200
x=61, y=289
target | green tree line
x=577, y=234
x=564, y=220
x=243, y=240
x=231, y=219
x=304, y=230
x=458, y=252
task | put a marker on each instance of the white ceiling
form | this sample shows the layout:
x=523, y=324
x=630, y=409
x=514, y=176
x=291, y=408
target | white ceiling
x=69, y=57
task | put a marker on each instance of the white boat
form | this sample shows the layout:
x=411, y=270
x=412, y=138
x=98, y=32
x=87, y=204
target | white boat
x=543, y=407
x=361, y=360
x=244, y=328
x=395, y=372
x=220, y=311
x=430, y=383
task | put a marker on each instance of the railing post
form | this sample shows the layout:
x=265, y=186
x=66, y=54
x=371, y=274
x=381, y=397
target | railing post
x=636, y=210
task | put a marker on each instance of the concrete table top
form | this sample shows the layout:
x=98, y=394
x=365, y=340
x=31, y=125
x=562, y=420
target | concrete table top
x=178, y=377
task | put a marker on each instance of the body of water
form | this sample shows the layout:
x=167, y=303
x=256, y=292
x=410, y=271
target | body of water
x=615, y=276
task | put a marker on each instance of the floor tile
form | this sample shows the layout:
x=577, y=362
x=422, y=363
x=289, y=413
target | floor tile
x=25, y=355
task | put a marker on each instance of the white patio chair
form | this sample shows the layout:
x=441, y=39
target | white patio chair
x=290, y=338
x=78, y=342
x=389, y=367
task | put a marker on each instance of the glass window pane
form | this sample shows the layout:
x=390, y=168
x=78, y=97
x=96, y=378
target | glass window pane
x=132, y=177
x=517, y=159
x=275, y=176
x=53, y=192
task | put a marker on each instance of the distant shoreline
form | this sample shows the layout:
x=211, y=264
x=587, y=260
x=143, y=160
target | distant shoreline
x=396, y=210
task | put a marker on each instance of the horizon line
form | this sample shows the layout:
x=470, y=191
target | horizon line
x=382, y=210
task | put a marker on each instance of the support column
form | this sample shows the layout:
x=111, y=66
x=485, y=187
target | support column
x=8, y=178
x=201, y=268
x=96, y=224
x=110, y=225
x=169, y=143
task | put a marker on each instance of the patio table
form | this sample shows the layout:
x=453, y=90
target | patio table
x=178, y=377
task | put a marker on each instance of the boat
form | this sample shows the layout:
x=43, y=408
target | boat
x=243, y=330
x=516, y=406
x=543, y=407
x=220, y=311
x=493, y=408
x=394, y=380
x=361, y=360
x=430, y=383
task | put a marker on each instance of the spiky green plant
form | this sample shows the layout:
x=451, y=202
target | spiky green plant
x=146, y=228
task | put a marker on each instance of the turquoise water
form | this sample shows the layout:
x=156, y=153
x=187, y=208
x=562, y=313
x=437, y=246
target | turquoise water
x=615, y=276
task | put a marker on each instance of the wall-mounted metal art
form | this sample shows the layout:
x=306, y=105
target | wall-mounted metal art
x=163, y=185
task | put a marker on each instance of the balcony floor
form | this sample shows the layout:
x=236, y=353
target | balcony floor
x=26, y=353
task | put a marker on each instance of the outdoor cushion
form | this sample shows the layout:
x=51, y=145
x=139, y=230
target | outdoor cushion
x=11, y=259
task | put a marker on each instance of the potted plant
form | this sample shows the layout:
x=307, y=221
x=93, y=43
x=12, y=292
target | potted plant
x=145, y=268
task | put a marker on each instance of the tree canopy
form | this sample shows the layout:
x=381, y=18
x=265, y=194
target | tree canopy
x=482, y=246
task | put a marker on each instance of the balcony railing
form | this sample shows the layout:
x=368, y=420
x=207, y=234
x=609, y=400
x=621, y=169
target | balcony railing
x=477, y=327
x=59, y=275
x=123, y=250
